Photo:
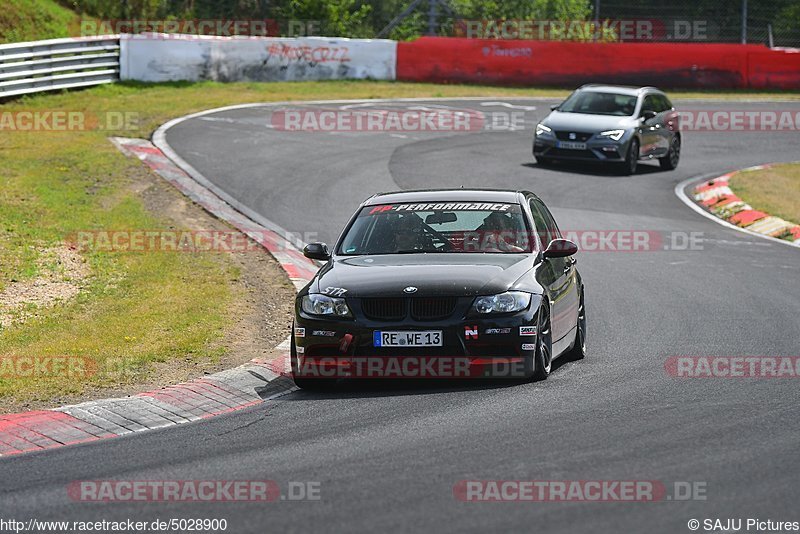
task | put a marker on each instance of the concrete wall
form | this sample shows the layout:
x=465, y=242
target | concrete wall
x=161, y=58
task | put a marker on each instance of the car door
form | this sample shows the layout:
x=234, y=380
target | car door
x=662, y=124
x=650, y=129
x=669, y=122
x=547, y=274
x=568, y=298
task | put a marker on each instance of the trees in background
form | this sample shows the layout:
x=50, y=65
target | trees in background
x=365, y=18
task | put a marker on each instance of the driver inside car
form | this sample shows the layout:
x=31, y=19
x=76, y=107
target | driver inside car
x=410, y=233
x=498, y=233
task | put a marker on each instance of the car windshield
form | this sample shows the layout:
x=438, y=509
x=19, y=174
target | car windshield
x=596, y=103
x=457, y=227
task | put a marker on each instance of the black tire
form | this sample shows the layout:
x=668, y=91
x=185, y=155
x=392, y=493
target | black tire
x=304, y=382
x=578, y=350
x=631, y=158
x=670, y=161
x=544, y=161
x=543, y=356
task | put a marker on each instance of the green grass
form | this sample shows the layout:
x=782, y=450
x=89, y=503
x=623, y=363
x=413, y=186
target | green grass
x=33, y=20
x=775, y=190
x=141, y=308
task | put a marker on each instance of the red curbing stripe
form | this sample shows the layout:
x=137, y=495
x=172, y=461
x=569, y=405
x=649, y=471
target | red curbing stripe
x=39, y=430
x=747, y=217
x=723, y=209
x=209, y=392
x=7, y=450
x=233, y=409
x=182, y=399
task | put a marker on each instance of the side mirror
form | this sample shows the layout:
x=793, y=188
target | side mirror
x=554, y=107
x=560, y=248
x=317, y=251
x=648, y=114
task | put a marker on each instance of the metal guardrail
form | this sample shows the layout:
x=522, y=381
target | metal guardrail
x=58, y=64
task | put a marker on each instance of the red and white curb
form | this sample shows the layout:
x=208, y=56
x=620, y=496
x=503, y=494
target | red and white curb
x=714, y=199
x=216, y=394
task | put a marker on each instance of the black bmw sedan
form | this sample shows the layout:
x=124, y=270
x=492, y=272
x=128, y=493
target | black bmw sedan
x=442, y=284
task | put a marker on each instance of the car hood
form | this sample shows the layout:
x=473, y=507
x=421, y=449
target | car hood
x=452, y=274
x=582, y=122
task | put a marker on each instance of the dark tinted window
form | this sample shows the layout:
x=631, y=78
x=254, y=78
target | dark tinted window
x=649, y=104
x=664, y=102
x=437, y=227
x=657, y=103
x=544, y=228
x=550, y=226
x=596, y=103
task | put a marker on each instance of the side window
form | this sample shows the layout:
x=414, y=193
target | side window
x=545, y=224
x=666, y=105
x=541, y=224
x=649, y=104
x=550, y=221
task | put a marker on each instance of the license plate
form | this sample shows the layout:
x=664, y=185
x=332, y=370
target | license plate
x=572, y=146
x=426, y=338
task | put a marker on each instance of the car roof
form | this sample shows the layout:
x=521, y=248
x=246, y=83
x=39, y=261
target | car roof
x=446, y=195
x=621, y=89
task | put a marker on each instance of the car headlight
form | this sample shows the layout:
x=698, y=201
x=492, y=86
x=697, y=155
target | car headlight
x=510, y=301
x=316, y=304
x=541, y=128
x=616, y=135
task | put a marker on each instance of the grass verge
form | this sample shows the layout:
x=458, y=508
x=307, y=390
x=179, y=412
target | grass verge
x=33, y=20
x=774, y=190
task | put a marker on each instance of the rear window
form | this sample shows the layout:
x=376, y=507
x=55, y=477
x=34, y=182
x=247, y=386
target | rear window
x=445, y=227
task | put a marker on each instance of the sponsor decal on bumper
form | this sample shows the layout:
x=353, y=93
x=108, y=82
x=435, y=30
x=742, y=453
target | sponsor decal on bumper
x=490, y=331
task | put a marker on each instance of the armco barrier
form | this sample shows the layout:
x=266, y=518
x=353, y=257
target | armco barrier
x=558, y=63
x=162, y=57
x=58, y=64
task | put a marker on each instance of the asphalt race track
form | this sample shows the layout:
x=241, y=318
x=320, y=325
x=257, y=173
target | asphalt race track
x=389, y=458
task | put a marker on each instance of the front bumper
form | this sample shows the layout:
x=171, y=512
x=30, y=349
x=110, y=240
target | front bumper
x=597, y=149
x=472, y=347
